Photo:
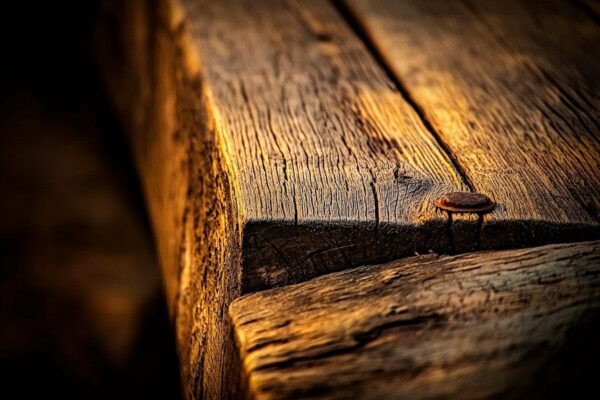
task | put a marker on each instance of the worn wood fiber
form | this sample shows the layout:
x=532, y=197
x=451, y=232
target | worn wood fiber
x=507, y=324
x=269, y=142
x=512, y=89
x=182, y=164
x=273, y=147
x=333, y=167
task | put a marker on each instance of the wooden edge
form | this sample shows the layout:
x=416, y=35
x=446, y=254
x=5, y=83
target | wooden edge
x=513, y=323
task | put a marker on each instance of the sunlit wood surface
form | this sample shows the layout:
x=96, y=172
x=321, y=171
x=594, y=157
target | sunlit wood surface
x=479, y=325
x=282, y=140
x=512, y=88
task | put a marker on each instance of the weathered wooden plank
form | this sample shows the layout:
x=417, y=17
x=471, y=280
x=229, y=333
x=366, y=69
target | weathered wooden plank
x=330, y=162
x=507, y=324
x=272, y=148
x=512, y=90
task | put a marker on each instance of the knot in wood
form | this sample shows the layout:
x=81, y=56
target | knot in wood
x=465, y=202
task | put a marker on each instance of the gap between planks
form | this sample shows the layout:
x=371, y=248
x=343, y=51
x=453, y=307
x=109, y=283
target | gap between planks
x=348, y=15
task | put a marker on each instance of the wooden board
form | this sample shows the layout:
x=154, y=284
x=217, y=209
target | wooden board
x=507, y=324
x=273, y=148
x=268, y=142
x=511, y=88
x=332, y=166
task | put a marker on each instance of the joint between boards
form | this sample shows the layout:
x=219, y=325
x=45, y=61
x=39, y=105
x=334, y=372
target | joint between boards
x=354, y=24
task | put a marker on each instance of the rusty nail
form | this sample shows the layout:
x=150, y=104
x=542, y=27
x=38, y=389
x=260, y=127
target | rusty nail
x=465, y=202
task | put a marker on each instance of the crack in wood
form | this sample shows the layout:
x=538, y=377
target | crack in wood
x=348, y=15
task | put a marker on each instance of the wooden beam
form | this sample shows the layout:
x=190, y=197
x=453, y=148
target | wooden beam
x=511, y=88
x=332, y=166
x=274, y=148
x=507, y=324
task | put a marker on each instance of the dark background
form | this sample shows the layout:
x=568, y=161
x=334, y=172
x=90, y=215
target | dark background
x=82, y=313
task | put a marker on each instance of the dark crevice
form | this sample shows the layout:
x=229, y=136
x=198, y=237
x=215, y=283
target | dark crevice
x=360, y=340
x=266, y=343
x=355, y=25
x=366, y=337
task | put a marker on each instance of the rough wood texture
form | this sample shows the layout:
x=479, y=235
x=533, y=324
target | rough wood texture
x=509, y=324
x=332, y=166
x=157, y=90
x=512, y=90
x=260, y=126
x=273, y=148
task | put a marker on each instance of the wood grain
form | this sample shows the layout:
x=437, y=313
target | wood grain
x=333, y=167
x=508, y=324
x=274, y=148
x=269, y=142
x=512, y=90
x=154, y=81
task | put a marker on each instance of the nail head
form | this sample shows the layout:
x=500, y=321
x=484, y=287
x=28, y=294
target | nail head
x=465, y=202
